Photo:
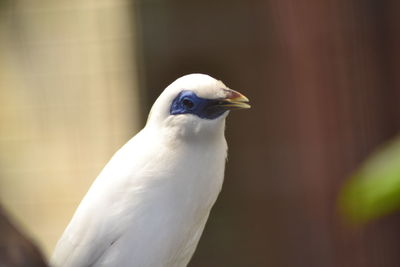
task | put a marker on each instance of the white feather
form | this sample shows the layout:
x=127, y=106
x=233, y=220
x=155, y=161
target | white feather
x=149, y=205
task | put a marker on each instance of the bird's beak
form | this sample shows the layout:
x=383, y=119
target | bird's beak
x=234, y=100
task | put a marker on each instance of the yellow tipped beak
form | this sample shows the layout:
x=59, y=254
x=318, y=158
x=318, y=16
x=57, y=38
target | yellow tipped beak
x=235, y=100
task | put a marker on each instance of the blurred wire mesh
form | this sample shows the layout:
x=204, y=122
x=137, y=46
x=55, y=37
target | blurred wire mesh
x=67, y=102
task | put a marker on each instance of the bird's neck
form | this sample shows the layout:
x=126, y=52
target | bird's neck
x=196, y=133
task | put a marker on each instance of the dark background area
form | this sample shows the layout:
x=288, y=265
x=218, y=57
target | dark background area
x=323, y=80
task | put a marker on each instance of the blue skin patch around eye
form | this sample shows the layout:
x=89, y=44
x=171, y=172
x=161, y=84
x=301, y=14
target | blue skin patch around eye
x=187, y=102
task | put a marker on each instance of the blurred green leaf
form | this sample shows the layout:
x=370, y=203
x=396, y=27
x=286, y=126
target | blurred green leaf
x=373, y=190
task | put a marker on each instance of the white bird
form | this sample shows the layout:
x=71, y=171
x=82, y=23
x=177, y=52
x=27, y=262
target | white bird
x=149, y=205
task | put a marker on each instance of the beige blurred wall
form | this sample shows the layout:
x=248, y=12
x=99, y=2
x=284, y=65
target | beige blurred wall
x=68, y=101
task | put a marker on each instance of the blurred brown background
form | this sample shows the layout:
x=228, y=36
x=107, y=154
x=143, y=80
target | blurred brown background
x=322, y=76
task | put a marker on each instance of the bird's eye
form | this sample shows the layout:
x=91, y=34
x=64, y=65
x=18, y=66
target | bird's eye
x=187, y=103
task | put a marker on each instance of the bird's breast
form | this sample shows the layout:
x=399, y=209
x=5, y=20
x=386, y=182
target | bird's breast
x=159, y=201
x=173, y=198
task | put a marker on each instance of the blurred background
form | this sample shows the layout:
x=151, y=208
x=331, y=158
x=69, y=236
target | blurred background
x=77, y=79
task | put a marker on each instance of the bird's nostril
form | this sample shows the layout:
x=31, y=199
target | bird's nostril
x=230, y=94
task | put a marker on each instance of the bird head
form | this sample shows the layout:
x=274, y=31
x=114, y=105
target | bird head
x=195, y=105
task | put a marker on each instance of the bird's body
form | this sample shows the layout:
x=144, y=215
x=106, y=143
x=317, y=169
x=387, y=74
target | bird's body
x=149, y=205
